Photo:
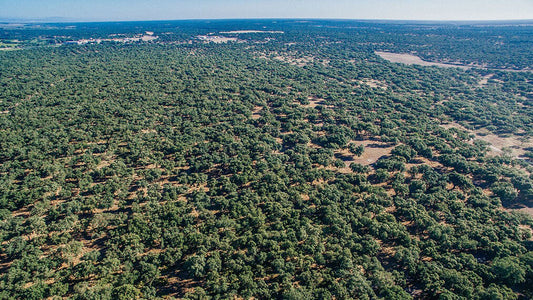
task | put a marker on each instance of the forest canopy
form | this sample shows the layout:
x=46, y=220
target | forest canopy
x=265, y=159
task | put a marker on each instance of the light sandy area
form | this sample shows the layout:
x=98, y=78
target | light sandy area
x=374, y=150
x=292, y=58
x=144, y=38
x=300, y=62
x=523, y=209
x=410, y=59
x=485, y=79
x=250, y=31
x=147, y=38
x=216, y=39
x=256, y=112
x=373, y=83
x=315, y=101
x=515, y=144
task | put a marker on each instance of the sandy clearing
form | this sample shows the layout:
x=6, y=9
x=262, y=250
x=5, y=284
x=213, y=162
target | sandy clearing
x=374, y=150
x=514, y=143
x=485, y=79
x=522, y=209
x=300, y=62
x=420, y=160
x=147, y=38
x=256, y=112
x=216, y=39
x=250, y=31
x=410, y=59
x=292, y=58
x=144, y=38
x=315, y=101
x=373, y=83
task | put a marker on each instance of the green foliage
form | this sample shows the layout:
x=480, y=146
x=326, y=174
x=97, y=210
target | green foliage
x=178, y=168
x=508, y=270
x=126, y=291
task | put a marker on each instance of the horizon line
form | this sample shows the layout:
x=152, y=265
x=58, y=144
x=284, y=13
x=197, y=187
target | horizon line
x=52, y=20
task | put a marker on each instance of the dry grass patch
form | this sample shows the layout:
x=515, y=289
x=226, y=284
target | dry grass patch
x=410, y=59
x=145, y=131
x=513, y=144
x=250, y=31
x=300, y=62
x=315, y=101
x=373, y=83
x=292, y=58
x=216, y=39
x=523, y=209
x=419, y=160
x=256, y=112
x=484, y=80
x=374, y=150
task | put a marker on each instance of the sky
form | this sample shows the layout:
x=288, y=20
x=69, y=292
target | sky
x=129, y=10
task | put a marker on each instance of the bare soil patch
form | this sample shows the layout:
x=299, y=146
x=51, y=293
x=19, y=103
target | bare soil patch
x=256, y=112
x=516, y=145
x=216, y=39
x=300, y=62
x=485, y=79
x=410, y=59
x=374, y=150
x=521, y=208
x=292, y=58
x=250, y=31
x=147, y=38
x=373, y=83
x=137, y=38
x=315, y=101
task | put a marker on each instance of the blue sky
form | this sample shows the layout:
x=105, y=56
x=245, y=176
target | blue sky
x=114, y=10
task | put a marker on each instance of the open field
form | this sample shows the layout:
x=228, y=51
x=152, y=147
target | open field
x=374, y=150
x=216, y=39
x=250, y=31
x=513, y=144
x=410, y=59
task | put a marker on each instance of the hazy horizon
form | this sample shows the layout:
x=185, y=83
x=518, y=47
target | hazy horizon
x=142, y=10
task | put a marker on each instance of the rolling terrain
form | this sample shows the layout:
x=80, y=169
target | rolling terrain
x=266, y=159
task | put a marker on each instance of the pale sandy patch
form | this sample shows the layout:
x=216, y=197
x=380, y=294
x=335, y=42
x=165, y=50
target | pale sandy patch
x=373, y=83
x=523, y=209
x=410, y=59
x=314, y=102
x=374, y=150
x=256, y=112
x=300, y=62
x=485, y=79
x=515, y=144
x=250, y=31
x=147, y=38
x=216, y=39
x=292, y=58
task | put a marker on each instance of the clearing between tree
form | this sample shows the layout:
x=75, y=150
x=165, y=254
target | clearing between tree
x=410, y=59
